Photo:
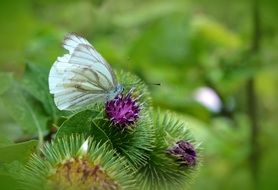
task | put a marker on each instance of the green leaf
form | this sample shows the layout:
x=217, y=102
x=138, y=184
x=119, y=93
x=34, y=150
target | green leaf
x=10, y=174
x=5, y=81
x=84, y=123
x=25, y=110
x=79, y=123
x=4, y=140
x=149, y=12
x=35, y=81
x=8, y=182
x=17, y=152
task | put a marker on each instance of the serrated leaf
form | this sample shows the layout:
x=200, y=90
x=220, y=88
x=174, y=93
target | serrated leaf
x=17, y=152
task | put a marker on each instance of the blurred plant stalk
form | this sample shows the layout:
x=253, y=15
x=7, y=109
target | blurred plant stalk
x=252, y=97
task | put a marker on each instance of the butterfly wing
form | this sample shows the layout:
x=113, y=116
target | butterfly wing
x=72, y=41
x=80, y=77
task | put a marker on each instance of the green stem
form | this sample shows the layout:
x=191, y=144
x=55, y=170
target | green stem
x=252, y=97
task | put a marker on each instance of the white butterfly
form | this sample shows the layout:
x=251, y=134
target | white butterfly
x=81, y=77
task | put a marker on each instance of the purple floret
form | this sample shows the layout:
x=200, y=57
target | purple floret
x=122, y=110
x=185, y=151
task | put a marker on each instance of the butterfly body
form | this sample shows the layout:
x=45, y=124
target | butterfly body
x=82, y=76
x=112, y=94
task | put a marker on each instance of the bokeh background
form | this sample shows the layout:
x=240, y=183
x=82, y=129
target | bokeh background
x=216, y=62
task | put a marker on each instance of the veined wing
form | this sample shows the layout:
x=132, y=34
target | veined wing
x=72, y=42
x=73, y=86
x=80, y=77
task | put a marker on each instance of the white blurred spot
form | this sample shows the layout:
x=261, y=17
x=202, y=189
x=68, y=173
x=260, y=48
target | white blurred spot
x=84, y=147
x=208, y=98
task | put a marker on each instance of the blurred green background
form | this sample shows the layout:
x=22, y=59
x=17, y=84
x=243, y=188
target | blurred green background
x=216, y=62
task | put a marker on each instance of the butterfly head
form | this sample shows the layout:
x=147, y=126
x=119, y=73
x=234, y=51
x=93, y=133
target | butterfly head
x=115, y=92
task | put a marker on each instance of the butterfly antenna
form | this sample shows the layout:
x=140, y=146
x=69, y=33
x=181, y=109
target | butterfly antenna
x=155, y=84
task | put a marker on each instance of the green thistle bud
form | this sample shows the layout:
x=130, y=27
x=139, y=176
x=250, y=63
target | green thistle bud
x=185, y=152
x=162, y=172
x=80, y=174
x=76, y=163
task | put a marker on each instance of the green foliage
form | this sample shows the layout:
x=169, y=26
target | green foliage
x=28, y=101
x=8, y=182
x=17, y=152
x=24, y=109
x=12, y=160
x=6, y=80
x=38, y=89
x=79, y=123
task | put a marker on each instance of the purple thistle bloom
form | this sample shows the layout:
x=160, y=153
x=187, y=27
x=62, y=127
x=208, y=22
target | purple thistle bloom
x=185, y=152
x=122, y=110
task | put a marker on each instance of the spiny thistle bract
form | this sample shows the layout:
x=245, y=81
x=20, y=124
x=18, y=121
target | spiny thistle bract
x=74, y=162
x=139, y=154
x=164, y=170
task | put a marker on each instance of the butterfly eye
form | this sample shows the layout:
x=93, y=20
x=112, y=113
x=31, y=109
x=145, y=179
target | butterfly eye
x=121, y=88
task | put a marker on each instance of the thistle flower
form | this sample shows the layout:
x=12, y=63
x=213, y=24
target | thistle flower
x=75, y=163
x=122, y=110
x=185, y=152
